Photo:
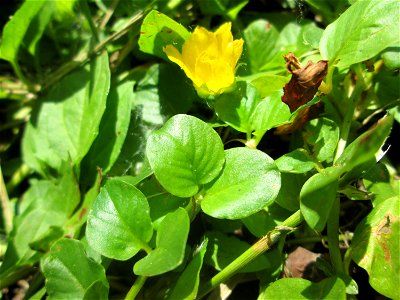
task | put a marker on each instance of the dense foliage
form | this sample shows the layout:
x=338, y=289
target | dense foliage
x=169, y=149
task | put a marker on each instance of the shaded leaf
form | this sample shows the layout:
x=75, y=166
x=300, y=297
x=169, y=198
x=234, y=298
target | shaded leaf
x=322, y=136
x=47, y=206
x=317, y=197
x=66, y=122
x=188, y=283
x=223, y=249
x=112, y=132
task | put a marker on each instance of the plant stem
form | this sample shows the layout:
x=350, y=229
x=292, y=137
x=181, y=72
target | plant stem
x=333, y=238
x=5, y=204
x=348, y=118
x=136, y=287
x=108, y=14
x=264, y=244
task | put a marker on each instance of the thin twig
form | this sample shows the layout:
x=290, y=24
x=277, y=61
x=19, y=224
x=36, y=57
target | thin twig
x=109, y=13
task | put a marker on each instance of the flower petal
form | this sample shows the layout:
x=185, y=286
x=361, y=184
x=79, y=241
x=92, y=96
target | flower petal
x=199, y=42
x=237, y=50
x=174, y=55
x=216, y=74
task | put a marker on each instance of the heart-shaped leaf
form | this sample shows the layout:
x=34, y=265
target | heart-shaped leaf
x=185, y=154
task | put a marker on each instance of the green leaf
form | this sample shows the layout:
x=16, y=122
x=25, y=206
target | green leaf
x=66, y=122
x=162, y=91
x=317, y=197
x=260, y=223
x=112, y=132
x=170, y=245
x=245, y=111
x=298, y=288
x=377, y=181
x=47, y=204
x=289, y=194
x=361, y=32
x=188, y=283
x=38, y=26
x=222, y=250
x=297, y=162
x=249, y=181
x=97, y=290
x=16, y=28
x=267, y=83
x=213, y=7
x=185, y=154
x=161, y=202
x=322, y=136
x=158, y=31
x=366, y=147
x=270, y=112
x=119, y=224
x=260, y=39
x=236, y=109
x=391, y=57
x=44, y=242
x=375, y=247
x=70, y=274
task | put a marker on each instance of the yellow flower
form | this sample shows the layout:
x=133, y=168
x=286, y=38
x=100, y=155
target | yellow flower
x=209, y=59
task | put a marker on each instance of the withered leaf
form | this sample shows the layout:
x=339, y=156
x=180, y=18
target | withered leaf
x=301, y=89
x=304, y=83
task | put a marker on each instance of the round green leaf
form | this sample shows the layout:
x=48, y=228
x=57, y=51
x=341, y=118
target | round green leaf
x=70, y=274
x=119, y=223
x=250, y=180
x=185, y=154
x=299, y=288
